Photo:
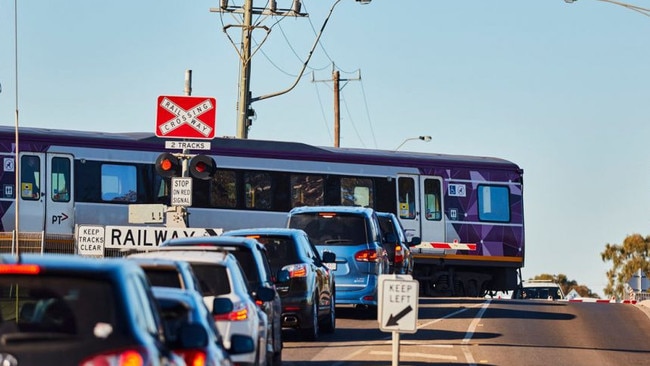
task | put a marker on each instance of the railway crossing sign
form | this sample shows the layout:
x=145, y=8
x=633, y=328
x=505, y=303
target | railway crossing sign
x=186, y=117
x=398, y=304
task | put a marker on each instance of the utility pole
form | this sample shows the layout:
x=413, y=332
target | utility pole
x=336, y=79
x=244, y=110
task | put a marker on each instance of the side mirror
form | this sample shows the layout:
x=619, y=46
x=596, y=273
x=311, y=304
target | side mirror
x=222, y=305
x=240, y=343
x=415, y=241
x=265, y=294
x=192, y=335
x=329, y=257
x=283, y=276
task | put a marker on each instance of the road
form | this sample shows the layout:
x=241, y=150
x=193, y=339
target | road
x=486, y=332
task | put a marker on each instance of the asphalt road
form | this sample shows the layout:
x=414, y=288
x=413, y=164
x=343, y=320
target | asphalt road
x=485, y=332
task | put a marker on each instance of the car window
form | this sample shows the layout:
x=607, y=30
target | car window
x=212, y=278
x=174, y=314
x=248, y=263
x=55, y=304
x=163, y=277
x=280, y=251
x=338, y=229
x=142, y=308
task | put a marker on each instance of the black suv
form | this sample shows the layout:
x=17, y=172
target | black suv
x=69, y=310
x=253, y=259
x=396, y=243
x=305, y=284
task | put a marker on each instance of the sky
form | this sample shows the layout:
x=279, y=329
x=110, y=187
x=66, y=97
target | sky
x=560, y=89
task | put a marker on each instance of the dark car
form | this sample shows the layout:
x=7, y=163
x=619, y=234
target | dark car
x=305, y=284
x=396, y=243
x=185, y=308
x=253, y=259
x=70, y=310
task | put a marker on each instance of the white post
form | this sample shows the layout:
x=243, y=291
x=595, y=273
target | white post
x=395, y=349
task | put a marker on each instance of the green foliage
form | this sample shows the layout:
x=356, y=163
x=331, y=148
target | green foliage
x=626, y=259
x=567, y=285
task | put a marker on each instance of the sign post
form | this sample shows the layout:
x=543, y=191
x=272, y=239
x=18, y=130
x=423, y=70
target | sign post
x=398, y=307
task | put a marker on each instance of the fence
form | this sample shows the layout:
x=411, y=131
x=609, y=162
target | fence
x=36, y=242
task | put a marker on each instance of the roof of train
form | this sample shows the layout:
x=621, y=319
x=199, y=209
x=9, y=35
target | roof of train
x=147, y=141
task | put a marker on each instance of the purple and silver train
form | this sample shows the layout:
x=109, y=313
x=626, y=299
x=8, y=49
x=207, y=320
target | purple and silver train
x=467, y=210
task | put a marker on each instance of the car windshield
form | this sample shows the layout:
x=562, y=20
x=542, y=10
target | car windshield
x=332, y=229
x=213, y=279
x=280, y=250
x=55, y=305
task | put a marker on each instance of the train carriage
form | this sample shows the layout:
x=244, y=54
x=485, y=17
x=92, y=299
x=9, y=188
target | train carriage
x=468, y=210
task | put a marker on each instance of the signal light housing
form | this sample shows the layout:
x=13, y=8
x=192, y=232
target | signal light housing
x=168, y=165
x=202, y=167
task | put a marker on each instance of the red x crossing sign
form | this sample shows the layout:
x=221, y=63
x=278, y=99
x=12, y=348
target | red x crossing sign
x=186, y=117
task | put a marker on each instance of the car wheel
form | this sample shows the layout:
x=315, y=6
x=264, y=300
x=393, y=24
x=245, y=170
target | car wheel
x=330, y=322
x=310, y=331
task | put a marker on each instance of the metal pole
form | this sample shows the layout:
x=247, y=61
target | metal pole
x=395, y=349
x=245, y=72
x=17, y=191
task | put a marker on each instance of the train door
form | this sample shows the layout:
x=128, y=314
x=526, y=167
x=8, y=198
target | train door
x=46, y=193
x=408, y=201
x=59, y=207
x=432, y=218
x=420, y=206
x=30, y=191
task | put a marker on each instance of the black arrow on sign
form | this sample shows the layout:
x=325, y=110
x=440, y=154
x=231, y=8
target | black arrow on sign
x=392, y=320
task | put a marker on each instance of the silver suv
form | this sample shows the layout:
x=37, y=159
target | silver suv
x=538, y=289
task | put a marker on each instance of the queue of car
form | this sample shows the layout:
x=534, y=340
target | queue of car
x=218, y=300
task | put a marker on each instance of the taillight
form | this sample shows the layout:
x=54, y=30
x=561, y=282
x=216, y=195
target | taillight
x=29, y=269
x=239, y=313
x=367, y=255
x=296, y=270
x=125, y=357
x=399, y=254
x=192, y=357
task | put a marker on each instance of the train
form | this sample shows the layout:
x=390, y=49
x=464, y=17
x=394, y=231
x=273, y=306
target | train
x=467, y=210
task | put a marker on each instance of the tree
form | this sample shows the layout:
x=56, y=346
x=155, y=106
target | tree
x=627, y=259
x=566, y=284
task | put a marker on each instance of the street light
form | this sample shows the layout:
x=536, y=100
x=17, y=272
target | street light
x=644, y=11
x=423, y=138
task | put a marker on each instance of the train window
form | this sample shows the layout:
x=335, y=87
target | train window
x=493, y=203
x=224, y=189
x=258, y=190
x=432, y=193
x=307, y=190
x=119, y=183
x=356, y=192
x=406, y=187
x=30, y=176
x=60, y=179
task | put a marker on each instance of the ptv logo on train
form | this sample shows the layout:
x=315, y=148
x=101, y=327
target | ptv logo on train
x=186, y=117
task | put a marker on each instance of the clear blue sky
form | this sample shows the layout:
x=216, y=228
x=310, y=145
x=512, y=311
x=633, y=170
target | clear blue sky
x=561, y=89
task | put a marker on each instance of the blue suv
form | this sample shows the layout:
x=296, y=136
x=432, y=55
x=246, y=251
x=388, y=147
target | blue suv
x=354, y=235
x=58, y=309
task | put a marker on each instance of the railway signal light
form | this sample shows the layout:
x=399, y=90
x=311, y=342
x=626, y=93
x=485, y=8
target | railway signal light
x=202, y=167
x=168, y=165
